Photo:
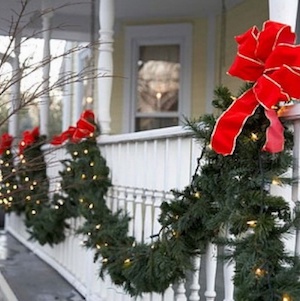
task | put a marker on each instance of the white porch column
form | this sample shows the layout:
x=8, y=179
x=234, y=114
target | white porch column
x=13, y=121
x=283, y=11
x=78, y=89
x=105, y=63
x=45, y=98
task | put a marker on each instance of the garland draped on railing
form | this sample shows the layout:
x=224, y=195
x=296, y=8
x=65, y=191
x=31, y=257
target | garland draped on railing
x=231, y=192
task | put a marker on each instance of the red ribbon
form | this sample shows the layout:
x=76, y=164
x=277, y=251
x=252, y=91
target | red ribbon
x=85, y=127
x=5, y=142
x=271, y=60
x=29, y=137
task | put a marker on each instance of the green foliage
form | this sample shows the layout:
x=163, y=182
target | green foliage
x=226, y=194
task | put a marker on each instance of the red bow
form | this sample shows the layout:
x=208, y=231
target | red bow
x=271, y=60
x=85, y=127
x=5, y=142
x=29, y=137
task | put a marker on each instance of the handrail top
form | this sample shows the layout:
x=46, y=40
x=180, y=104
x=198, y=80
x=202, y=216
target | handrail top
x=169, y=132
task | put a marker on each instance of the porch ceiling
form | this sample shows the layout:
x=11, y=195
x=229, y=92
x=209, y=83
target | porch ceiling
x=72, y=18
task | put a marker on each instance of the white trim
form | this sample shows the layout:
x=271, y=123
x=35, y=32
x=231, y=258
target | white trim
x=168, y=34
x=168, y=132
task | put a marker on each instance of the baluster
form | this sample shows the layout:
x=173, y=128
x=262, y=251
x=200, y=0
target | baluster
x=211, y=267
x=195, y=286
x=130, y=209
x=115, y=198
x=148, y=219
x=138, y=216
x=158, y=198
x=168, y=295
x=180, y=291
x=228, y=271
x=109, y=197
x=121, y=198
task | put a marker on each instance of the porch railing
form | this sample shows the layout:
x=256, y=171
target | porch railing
x=144, y=167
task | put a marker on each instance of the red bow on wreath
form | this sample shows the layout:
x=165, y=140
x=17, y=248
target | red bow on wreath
x=85, y=127
x=5, y=142
x=29, y=137
x=271, y=60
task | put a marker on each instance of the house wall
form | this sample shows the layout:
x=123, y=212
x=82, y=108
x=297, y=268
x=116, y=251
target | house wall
x=237, y=20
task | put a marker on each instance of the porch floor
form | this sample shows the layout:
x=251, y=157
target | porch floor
x=25, y=277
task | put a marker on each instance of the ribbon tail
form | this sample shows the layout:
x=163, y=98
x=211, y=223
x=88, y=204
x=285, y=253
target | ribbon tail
x=274, y=134
x=231, y=122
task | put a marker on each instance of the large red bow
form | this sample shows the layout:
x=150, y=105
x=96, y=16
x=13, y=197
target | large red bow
x=29, y=137
x=271, y=60
x=85, y=127
x=5, y=142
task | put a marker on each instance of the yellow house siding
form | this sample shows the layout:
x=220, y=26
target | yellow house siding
x=238, y=20
x=117, y=102
x=199, y=68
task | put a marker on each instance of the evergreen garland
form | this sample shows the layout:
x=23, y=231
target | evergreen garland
x=231, y=192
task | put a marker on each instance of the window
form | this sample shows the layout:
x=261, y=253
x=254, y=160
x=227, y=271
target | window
x=157, y=89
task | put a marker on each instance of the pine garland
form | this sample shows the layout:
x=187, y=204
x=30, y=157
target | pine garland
x=231, y=192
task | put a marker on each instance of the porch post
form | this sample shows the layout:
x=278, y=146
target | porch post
x=105, y=63
x=283, y=11
x=47, y=14
x=13, y=121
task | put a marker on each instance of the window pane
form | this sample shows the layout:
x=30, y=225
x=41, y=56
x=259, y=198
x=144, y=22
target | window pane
x=158, y=78
x=143, y=124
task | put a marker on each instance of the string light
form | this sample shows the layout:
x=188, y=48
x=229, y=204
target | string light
x=8, y=191
x=98, y=246
x=92, y=164
x=7, y=184
x=33, y=212
x=260, y=272
x=56, y=207
x=86, y=151
x=13, y=170
x=69, y=169
x=98, y=226
x=197, y=194
x=26, y=179
x=252, y=223
x=1, y=161
x=21, y=156
x=31, y=187
x=94, y=177
x=81, y=200
x=286, y=297
x=254, y=137
x=6, y=164
x=75, y=153
x=23, y=161
x=83, y=176
x=7, y=152
x=127, y=262
x=38, y=202
x=34, y=182
x=104, y=260
x=28, y=197
x=276, y=181
x=15, y=186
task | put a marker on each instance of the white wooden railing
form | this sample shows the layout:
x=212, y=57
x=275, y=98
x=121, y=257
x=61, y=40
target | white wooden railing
x=144, y=167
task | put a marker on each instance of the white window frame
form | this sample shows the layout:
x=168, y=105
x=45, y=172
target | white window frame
x=144, y=35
